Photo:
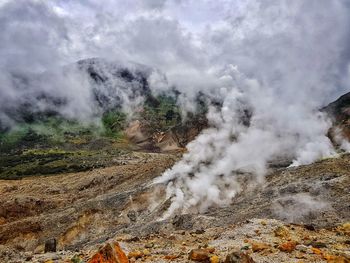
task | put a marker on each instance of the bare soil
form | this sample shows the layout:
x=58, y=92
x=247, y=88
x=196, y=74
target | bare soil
x=84, y=210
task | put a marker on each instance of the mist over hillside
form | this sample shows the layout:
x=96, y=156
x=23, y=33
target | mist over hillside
x=80, y=91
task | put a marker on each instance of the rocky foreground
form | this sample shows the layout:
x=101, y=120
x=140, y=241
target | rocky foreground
x=256, y=240
x=112, y=215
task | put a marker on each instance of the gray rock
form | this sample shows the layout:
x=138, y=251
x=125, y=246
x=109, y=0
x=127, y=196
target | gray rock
x=183, y=222
x=301, y=248
x=50, y=245
x=238, y=257
x=132, y=215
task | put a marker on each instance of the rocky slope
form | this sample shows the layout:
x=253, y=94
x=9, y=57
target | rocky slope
x=85, y=193
x=83, y=210
x=339, y=111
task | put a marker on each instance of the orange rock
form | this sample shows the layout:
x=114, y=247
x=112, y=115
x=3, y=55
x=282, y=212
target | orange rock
x=199, y=255
x=120, y=253
x=2, y=220
x=171, y=257
x=109, y=254
x=282, y=232
x=257, y=246
x=335, y=259
x=339, y=260
x=135, y=254
x=316, y=251
x=214, y=259
x=328, y=256
x=288, y=246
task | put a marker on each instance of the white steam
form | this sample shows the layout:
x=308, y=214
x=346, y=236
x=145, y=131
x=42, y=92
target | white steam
x=289, y=61
x=296, y=207
x=207, y=174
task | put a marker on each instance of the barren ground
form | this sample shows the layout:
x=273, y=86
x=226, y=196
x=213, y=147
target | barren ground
x=83, y=211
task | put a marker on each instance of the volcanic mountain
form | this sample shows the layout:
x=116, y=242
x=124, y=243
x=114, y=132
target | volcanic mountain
x=86, y=190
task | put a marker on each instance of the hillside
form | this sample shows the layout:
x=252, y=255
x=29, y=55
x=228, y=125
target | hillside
x=43, y=140
x=339, y=110
x=99, y=189
x=82, y=210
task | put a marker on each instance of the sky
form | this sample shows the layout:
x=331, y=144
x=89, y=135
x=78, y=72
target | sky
x=175, y=36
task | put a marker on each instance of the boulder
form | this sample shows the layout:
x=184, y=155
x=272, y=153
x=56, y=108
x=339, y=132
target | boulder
x=238, y=257
x=258, y=246
x=50, y=245
x=110, y=254
x=288, y=246
x=201, y=255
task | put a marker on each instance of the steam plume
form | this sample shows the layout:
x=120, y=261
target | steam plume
x=284, y=72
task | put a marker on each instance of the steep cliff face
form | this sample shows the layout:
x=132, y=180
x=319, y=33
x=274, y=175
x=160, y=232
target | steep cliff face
x=339, y=111
x=174, y=138
x=115, y=83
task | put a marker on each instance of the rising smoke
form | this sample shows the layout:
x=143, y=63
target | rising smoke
x=270, y=64
x=289, y=62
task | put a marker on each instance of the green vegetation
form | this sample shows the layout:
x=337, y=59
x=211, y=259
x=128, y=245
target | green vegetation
x=53, y=161
x=114, y=123
x=162, y=114
x=55, y=145
x=55, y=131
